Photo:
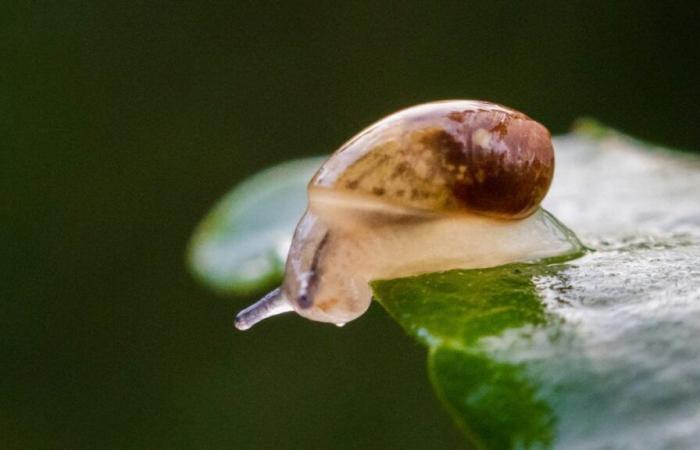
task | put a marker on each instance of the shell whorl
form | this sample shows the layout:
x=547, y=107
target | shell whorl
x=453, y=156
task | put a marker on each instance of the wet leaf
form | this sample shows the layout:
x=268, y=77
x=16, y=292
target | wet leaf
x=599, y=352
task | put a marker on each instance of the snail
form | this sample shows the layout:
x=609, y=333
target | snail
x=440, y=186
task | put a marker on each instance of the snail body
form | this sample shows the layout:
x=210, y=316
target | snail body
x=440, y=186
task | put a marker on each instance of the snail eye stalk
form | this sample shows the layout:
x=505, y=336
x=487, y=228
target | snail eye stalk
x=272, y=304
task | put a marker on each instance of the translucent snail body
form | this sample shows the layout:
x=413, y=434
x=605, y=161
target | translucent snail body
x=441, y=186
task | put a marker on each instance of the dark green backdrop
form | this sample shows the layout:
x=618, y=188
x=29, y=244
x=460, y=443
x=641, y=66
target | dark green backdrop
x=122, y=122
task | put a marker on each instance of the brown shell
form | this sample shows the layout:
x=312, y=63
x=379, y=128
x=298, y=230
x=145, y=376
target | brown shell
x=448, y=156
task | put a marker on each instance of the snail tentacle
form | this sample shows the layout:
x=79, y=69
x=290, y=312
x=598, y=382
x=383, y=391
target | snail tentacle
x=272, y=304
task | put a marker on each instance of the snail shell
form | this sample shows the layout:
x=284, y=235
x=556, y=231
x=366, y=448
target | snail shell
x=456, y=156
x=439, y=186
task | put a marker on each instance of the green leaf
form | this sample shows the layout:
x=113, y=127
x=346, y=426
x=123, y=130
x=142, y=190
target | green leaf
x=493, y=402
x=598, y=352
x=601, y=352
x=480, y=392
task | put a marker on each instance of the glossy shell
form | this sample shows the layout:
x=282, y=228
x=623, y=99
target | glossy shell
x=451, y=156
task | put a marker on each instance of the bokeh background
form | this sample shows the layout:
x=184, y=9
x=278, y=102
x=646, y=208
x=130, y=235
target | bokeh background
x=122, y=122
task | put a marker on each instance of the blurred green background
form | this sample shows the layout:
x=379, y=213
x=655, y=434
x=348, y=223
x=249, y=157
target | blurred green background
x=123, y=122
